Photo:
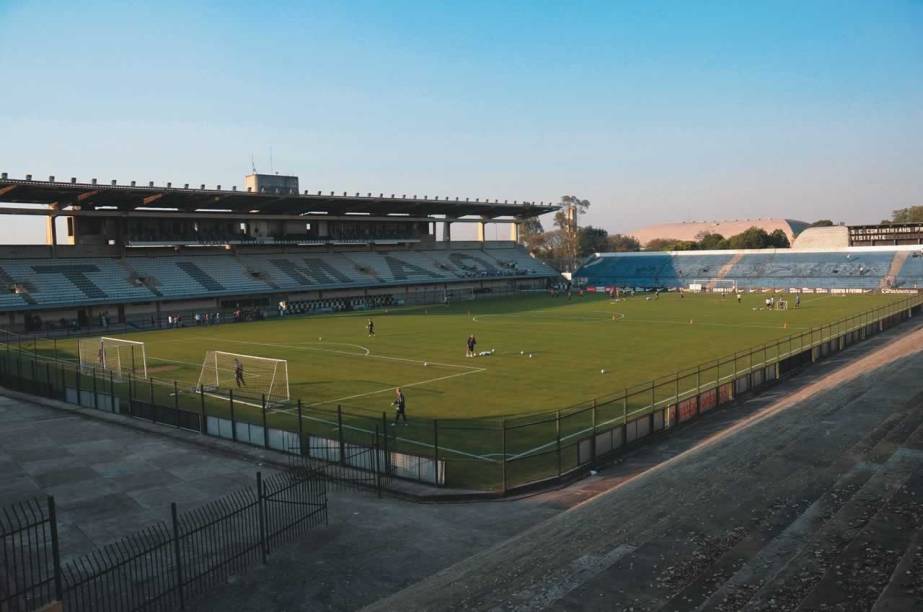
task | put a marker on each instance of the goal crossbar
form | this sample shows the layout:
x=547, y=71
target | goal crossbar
x=713, y=284
x=258, y=376
x=115, y=355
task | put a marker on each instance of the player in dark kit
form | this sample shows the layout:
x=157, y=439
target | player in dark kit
x=239, y=373
x=399, y=406
x=371, y=327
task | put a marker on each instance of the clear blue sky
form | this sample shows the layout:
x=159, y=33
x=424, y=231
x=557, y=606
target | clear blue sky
x=655, y=111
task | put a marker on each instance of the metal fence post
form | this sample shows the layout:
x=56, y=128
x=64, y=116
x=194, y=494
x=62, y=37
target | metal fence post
x=340, y=434
x=384, y=434
x=203, y=418
x=503, y=456
x=55, y=550
x=264, y=545
x=111, y=393
x=176, y=401
x=436, y=452
x=300, y=429
x=131, y=399
x=557, y=435
x=265, y=425
x=233, y=422
x=153, y=407
x=177, y=556
x=376, y=465
x=593, y=432
x=95, y=394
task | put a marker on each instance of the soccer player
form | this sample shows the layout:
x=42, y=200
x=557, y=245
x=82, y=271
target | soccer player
x=400, y=403
x=239, y=373
x=798, y=300
x=738, y=297
x=371, y=327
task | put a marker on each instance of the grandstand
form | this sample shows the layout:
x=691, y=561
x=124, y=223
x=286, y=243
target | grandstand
x=141, y=252
x=845, y=269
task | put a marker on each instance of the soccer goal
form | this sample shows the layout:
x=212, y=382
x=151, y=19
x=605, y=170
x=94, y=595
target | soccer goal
x=113, y=355
x=257, y=376
x=718, y=285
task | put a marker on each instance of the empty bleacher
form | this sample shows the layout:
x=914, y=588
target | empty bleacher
x=854, y=268
x=69, y=282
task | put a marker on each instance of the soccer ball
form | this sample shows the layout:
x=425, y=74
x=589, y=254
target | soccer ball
x=602, y=371
x=530, y=355
x=319, y=338
x=425, y=364
x=522, y=352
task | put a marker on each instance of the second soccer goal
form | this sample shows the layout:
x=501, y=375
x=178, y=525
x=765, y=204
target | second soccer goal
x=248, y=375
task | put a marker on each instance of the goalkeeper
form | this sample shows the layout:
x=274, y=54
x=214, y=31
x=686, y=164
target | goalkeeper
x=239, y=373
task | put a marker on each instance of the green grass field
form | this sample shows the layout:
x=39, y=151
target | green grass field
x=332, y=360
x=492, y=422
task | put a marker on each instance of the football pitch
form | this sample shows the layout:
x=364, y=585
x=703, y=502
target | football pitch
x=547, y=353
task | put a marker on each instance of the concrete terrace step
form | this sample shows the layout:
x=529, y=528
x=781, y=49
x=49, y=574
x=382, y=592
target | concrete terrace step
x=791, y=583
x=904, y=590
x=778, y=536
x=674, y=548
x=857, y=577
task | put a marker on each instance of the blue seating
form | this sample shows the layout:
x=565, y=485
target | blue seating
x=780, y=269
x=88, y=281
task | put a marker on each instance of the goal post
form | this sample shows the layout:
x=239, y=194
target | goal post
x=114, y=355
x=717, y=285
x=251, y=375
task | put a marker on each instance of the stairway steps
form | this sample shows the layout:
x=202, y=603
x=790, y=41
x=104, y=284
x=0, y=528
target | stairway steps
x=680, y=555
x=796, y=578
x=778, y=541
x=857, y=577
x=904, y=590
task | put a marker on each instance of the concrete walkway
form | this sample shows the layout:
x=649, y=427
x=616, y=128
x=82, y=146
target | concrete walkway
x=108, y=479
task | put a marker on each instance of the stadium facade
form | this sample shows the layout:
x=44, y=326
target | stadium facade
x=138, y=254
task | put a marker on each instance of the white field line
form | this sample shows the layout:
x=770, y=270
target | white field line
x=393, y=387
x=368, y=355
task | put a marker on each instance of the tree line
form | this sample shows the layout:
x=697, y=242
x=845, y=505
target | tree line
x=567, y=244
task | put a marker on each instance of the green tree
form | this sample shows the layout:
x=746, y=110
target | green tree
x=911, y=214
x=591, y=240
x=619, y=243
x=822, y=223
x=669, y=244
x=567, y=220
x=711, y=242
x=753, y=238
x=779, y=240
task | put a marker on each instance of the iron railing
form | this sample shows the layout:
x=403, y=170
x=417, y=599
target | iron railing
x=475, y=454
x=163, y=566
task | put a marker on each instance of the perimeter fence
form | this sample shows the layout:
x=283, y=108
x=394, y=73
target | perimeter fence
x=164, y=566
x=500, y=454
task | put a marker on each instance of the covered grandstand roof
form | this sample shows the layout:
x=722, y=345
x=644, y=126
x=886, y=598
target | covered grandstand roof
x=92, y=196
x=691, y=230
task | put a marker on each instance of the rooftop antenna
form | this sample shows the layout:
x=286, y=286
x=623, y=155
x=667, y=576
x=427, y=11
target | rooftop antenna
x=252, y=164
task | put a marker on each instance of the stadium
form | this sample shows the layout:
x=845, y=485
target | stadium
x=279, y=319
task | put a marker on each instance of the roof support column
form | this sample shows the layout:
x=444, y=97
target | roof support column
x=514, y=231
x=482, y=230
x=447, y=229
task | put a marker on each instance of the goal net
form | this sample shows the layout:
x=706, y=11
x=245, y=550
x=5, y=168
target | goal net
x=248, y=375
x=718, y=285
x=114, y=355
